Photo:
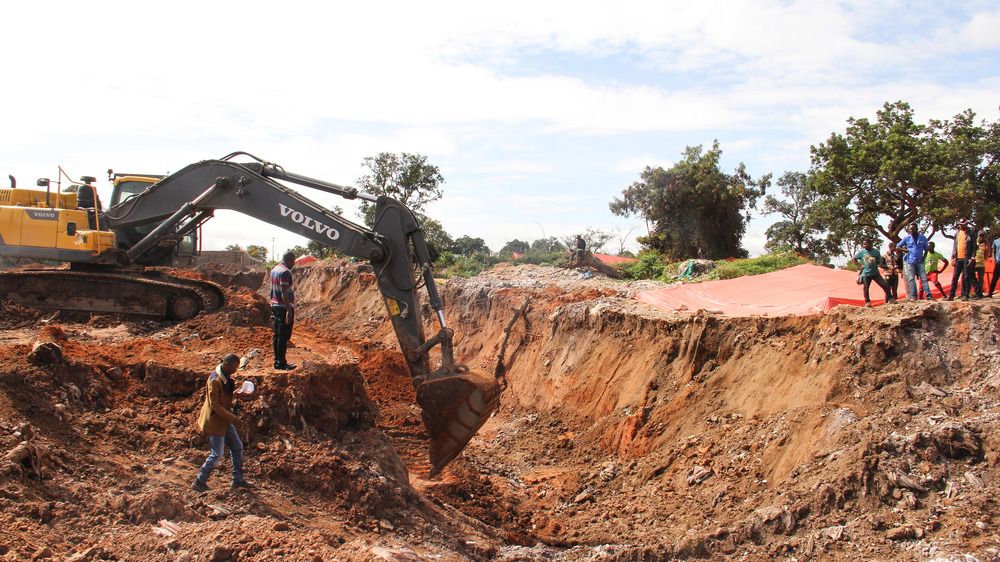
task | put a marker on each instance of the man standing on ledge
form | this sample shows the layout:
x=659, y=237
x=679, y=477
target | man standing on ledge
x=916, y=246
x=282, y=309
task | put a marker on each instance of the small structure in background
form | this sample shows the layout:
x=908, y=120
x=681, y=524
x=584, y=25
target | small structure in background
x=238, y=257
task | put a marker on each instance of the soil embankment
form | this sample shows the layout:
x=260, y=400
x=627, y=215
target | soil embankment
x=625, y=433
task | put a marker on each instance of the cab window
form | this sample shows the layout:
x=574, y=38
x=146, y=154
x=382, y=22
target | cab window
x=128, y=188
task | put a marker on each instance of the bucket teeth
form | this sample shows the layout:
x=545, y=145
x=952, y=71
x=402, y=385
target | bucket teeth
x=454, y=407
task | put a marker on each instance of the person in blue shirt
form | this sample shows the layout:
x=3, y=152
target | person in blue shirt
x=916, y=250
x=869, y=259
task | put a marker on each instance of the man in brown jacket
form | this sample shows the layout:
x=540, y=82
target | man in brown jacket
x=216, y=421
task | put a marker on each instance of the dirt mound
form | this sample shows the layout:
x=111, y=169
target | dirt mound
x=625, y=433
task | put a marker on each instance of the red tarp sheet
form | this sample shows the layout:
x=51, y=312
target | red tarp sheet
x=800, y=290
x=304, y=259
x=614, y=259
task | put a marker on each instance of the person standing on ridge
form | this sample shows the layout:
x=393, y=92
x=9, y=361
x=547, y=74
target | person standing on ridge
x=996, y=258
x=892, y=266
x=916, y=246
x=982, y=251
x=282, y=309
x=963, y=257
x=932, y=263
x=870, y=260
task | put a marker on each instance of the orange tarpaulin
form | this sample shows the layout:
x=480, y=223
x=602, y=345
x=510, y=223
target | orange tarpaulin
x=800, y=290
x=304, y=259
x=614, y=259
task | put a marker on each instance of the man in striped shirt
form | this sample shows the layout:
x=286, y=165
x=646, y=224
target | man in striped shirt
x=282, y=309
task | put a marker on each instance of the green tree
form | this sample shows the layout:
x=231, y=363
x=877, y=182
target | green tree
x=800, y=230
x=468, y=246
x=694, y=208
x=517, y=246
x=319, y=250
x=234, y=248
x=405, y=177
x=257, y=252
x=548, y=245
x=879, y=177
x=437, y=238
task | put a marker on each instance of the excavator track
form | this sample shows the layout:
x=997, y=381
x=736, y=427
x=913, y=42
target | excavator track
x=152, y=295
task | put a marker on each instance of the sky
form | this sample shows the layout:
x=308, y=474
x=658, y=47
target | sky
x=538, y=114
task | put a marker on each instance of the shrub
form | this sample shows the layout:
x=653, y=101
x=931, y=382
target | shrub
x=651, y=265
x=756, y=266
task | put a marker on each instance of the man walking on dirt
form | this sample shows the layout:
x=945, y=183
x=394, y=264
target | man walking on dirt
x=216, y=420
x=282, y=309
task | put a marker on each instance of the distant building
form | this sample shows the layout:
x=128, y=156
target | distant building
x=237, y=257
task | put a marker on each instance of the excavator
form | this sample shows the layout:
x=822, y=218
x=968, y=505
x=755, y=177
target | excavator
x=117, y=260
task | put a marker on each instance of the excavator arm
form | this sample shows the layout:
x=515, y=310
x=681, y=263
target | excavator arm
x=455, y=401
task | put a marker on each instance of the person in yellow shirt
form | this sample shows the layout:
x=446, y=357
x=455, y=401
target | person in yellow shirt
x=933, y=266
x=982, y=251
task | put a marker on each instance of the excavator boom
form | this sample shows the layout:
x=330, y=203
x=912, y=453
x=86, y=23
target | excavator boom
x=455, y=401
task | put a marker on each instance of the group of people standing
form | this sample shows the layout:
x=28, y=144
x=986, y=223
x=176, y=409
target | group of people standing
x=916, y=258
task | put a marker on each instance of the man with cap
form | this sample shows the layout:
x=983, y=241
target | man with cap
x=963, y=256
x=216, y=421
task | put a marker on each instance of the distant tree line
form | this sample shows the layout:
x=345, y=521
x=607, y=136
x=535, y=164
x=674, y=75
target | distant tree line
x=870, y=182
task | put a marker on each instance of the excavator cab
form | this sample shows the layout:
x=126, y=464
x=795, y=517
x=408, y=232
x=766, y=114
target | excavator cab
x=179, y=250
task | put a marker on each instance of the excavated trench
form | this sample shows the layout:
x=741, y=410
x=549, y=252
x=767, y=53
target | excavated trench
x=686, y=435
x=625, y=432
x=692, y=435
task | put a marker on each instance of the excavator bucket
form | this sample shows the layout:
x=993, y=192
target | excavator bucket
x=454, y=406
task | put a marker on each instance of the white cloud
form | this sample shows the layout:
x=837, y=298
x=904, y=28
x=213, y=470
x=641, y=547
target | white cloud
x=526, y=106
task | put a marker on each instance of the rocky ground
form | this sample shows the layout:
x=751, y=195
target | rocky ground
x=625, y=432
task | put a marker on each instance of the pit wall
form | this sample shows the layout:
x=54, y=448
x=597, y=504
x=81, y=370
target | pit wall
x=640, y=379
x=643, y=379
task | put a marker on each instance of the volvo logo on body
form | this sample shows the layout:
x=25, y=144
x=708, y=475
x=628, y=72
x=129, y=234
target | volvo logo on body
x=309, y=222
x=43, y=215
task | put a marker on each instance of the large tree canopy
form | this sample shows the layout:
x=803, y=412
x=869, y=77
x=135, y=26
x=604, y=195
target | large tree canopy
x=468, y=246
x=882, y=176
x=694, y=208
x=800, y=229
x=407, y=178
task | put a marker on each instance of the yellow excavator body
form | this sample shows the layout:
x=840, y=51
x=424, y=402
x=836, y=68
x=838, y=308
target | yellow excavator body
x=39, y=225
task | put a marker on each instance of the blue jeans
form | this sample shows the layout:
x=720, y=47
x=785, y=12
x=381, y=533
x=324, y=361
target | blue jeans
x=232, y=440
x=913, y=270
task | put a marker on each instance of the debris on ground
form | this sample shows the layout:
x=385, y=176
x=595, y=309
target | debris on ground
x=625, y=432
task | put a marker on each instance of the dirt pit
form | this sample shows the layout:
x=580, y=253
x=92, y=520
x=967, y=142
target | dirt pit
x=625, y=433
